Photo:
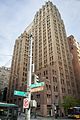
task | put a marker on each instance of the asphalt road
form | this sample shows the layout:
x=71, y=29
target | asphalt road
x=21, y=117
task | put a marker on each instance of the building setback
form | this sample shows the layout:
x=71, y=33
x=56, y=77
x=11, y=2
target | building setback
x=74, y=47
x=52, y=59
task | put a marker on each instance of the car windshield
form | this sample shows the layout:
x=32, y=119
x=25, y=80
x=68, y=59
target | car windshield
x=70, y=111
x=77, y=110
x=74, y=111
x=3, y=112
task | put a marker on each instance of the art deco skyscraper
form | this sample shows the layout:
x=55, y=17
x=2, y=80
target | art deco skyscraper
x=51, y=57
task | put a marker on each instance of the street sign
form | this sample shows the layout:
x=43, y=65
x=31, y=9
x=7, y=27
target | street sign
x=25, y=103
x=20, y=93
x=37, y=85
x=37, y=89
x=34, y=88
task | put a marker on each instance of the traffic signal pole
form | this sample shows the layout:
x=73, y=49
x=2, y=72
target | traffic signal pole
x=29, y=74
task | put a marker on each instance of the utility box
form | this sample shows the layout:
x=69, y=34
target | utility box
x=33, y=104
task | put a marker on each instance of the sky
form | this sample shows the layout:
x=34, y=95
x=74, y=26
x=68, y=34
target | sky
x=16, y=15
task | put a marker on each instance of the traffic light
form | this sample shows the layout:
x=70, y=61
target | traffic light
x=35, y=78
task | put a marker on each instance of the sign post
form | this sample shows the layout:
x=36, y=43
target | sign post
x=29, y=75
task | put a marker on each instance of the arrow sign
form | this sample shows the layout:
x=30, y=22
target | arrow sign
x=20, y=93
x=37, y=85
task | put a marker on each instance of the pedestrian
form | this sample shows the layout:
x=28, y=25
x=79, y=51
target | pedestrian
x=62, y=114
x=19, y=111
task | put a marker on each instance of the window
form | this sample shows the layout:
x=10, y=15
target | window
x=63, y=90
x=54, y=79
x=71, y=47
x=62, y=81
x=68, y=83
x=69, y=91
x=38, y=95
x=55, y=89
x=49, y=86
x=46, y=86
x=44, y=72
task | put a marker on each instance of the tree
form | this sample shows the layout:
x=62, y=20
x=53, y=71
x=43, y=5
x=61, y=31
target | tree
x=69, y=101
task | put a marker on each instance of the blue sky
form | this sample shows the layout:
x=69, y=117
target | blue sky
x=16, y=15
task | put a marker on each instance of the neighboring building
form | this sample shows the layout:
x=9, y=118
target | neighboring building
x=4, y=79
x=75, y=52
x=18, y=74
x=52, y=59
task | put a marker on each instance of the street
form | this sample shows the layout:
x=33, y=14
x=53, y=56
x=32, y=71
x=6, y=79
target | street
x=22, y=117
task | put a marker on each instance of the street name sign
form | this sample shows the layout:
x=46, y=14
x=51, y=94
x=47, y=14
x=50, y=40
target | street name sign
x=34, y=88
x=20, y=93
x=25, y=103
x=37, y=85
x=37, y=89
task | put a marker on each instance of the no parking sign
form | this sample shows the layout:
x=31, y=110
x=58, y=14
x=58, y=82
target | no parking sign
x=25, y=103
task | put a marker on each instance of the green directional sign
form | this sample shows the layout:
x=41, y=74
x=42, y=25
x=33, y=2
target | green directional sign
x=20, y=93
x=37, y=85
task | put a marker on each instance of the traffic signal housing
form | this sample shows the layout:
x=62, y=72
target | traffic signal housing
x=35, y=79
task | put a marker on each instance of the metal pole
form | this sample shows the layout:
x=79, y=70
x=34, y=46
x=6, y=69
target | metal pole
x=29, y=75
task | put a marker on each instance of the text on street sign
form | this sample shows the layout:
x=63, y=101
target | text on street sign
x=37, y=85
x=37, y=89
x=20, y=93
